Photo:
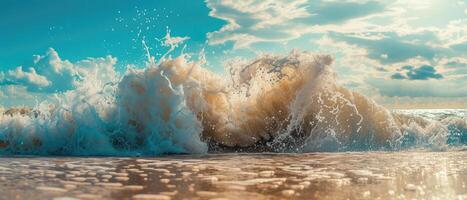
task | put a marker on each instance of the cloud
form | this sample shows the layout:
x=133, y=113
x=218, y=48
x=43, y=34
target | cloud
x=250, y=22
x=424, y=72
x=341, y=11
x=18, y=76
x=18, y=95
x=462, y=47
x=389, y=49
x=255, y=21
x=429, y=88
x=360, y=72
x=51, y=74
x=456, y=64
x=398, y=76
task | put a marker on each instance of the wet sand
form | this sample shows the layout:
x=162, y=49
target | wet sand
x=368, y=175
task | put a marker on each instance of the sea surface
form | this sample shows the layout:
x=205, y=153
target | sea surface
x=346, y=175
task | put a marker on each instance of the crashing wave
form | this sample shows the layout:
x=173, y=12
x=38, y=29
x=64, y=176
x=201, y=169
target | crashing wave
x=273, y=103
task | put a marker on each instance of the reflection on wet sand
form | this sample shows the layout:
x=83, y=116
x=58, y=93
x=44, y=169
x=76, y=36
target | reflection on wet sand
x=369, y=175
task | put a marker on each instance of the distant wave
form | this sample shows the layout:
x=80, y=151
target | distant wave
x=272, y=103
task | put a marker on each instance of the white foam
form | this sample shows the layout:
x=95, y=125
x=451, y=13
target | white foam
x=291, y=103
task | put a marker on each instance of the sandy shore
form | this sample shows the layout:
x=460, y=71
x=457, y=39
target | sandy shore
x=370, y=175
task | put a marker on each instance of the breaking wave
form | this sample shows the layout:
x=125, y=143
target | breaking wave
x=272, y=103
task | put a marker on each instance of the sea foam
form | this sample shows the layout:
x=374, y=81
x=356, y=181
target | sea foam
x=288, y=103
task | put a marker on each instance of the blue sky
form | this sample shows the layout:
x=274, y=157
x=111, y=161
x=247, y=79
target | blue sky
x=402, y=50
x=86, y=28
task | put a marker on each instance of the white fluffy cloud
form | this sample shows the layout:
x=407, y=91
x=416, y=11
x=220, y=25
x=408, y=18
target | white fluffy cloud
x=29, y=77
x=50, y=74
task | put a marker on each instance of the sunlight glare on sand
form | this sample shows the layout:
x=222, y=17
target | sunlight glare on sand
x=368, y=175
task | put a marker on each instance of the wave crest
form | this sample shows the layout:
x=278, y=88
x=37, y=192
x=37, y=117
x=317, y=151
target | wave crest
x=271, y=103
